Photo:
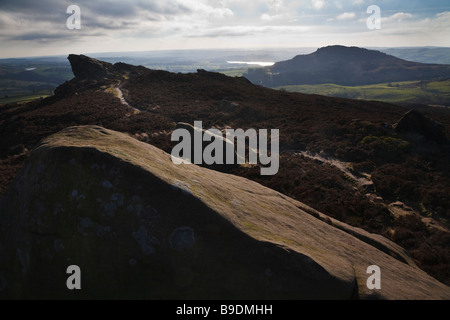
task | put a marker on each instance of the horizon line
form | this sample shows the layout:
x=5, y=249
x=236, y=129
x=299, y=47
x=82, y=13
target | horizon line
x=219, y=49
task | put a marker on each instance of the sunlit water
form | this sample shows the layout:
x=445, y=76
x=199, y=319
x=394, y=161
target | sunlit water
x=257, y=63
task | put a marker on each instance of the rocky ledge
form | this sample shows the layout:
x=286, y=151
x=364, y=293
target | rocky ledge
x=139, y=226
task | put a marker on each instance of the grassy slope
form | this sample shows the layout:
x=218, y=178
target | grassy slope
x=236, y=72
x=433, y=92
x=25, y=97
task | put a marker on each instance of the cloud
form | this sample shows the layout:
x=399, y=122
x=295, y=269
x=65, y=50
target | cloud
x=268, y=17
x=23, y=19
x=398, y=17
x=443, y=19
x=237, y=31
x=346, y=16
x=276, y=5
x=7, y=21
x=106, y=24
x=276, y=11
x=203, y=8
x=49, y=36
x=318, y=4
x=408, y=30
x=33, y=7
x=41, y=36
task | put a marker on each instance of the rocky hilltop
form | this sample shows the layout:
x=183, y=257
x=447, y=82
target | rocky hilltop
x=91, y=73
x=86, y=67
x=415, y=123
x=139, y=226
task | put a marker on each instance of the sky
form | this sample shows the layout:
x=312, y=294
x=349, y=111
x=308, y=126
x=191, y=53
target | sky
x=39, y=27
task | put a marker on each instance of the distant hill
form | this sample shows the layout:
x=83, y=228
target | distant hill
x=345, y=66
x=420, y=54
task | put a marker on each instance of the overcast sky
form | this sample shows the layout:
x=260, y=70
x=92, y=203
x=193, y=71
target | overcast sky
x=38, y=27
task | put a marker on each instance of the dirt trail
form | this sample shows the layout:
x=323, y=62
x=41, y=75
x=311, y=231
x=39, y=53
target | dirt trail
x=363, y=180
x=396, y=208
x=124, y=101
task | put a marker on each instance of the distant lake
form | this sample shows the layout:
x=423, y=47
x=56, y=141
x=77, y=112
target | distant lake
x=258, y=63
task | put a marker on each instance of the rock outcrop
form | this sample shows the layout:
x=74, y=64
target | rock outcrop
x=90, y=68
x=91, y=73
x=414, y=122
x=139, y=226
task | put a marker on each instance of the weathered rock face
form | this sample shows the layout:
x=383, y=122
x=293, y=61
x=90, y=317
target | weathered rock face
x=92, y=74
x=139, y=226
x=89, y=68
x=414, y=122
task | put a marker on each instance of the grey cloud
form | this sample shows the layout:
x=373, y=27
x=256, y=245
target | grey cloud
x=133, y=8
x=61, y=34
x=47, y=37
x=102, y=15
x=41, y=36
x=45, y=20
x=107, y=25
x=50, y=14
x=165, y=7
x=123, y=9
x=42, y=10
x=31, y=6
x=108, y=8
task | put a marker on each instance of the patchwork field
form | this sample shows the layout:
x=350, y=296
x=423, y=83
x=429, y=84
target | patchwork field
x=423, y=92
